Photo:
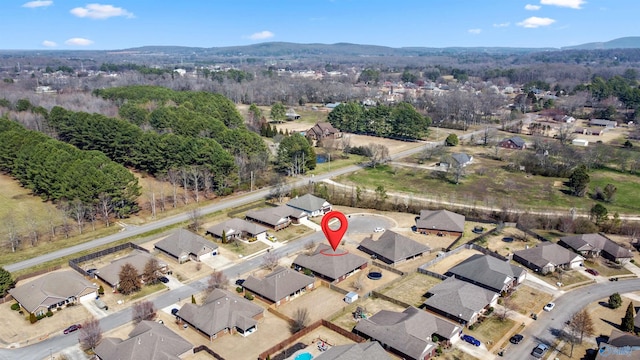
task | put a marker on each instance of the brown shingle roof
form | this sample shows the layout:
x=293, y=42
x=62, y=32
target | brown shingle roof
x=278, y=284
x=394, y=246
x=183, y=242
x=233, y=227
x=545, y=254
x=591, y=242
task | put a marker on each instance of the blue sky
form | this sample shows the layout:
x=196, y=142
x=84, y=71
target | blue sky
x=71, y=24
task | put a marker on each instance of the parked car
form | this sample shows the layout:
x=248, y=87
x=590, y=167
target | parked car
x=72, y=328
x=593, y=272
x=163, y=279
x=549, y=306
x=271, y=237
x=378, y=229
x=515, y=339
x=471, y=340
x=91, y=272
x=540, y=350
x=174, y=311
x=239, y=282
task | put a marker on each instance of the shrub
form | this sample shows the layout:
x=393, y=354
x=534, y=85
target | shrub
x=49, y=313
x=32, y=318
x=471, y=327
x=239, y=289
x=248, y=296
x=101, y=290
x=615, y=301
x=15, y=307
x=307, y=272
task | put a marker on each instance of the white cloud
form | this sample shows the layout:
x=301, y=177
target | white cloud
x=49, y=43
x=501, y=25
x=37, y=4
x=574, y=4
x=78, y=42
x=261, y=35
x=474, y=31
x=532, y=7
x=534, y=22
x=99, y=11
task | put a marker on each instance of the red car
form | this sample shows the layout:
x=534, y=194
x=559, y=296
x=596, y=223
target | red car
x=593, y=272
x=72, y=328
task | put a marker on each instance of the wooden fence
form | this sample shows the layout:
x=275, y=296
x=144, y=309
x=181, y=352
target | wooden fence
x=207, y=350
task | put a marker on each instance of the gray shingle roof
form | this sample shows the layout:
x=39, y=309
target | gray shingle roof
x=461, y=158
x=275, y=216
x=440, y=220
x=279, y=284
x=394, y=246
x=221, y=310
x=332, y=267
x=111, y=273
x=234, y=227
x=487, y=270
x=148, y=341
x=183, y=242
x=547, y=253
x=409, y=332
x=367, y=350
x=51, y=289
x=459, y=298
x=308, y=203
x=591, y=242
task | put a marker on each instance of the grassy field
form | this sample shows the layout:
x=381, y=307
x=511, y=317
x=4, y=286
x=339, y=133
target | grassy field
x=486, y=185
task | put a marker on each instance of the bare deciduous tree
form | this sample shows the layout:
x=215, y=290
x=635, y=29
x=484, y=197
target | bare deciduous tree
x=13, y=236
x=90, y=334
x=143, y=310
x=358, y=283
x=151, y=271
x=173, y=176
x=300, y=320
x=580, y=325
x=106, y=207
x=78, y=210
x=270, y=260
x=378, y=154
x=33, y=226
x=217, y=280
x=195, y=215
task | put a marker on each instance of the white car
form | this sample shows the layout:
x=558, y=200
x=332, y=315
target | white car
x=378, y=229
x=549, y=307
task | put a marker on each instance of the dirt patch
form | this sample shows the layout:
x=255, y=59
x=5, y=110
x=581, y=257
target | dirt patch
x=411, y=288
x=509, y=240
x=447, y=263
x=331, y=302
x=527, y=299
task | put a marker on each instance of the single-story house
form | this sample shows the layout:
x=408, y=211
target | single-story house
x=53, y=290
x=110, y=274
x=332, y=266
x=312, y=205
x=457, y=160
x=183, y=245
x=277, y=218
x=222, y=313
x=280, y=286
x=408, y=334
x=370, y=350
x=515, y=142
x=488, y=272
x=440, y=222
x=149, y=340
x=547, y=257
x=393, y=248
x=602, y=122
x=238, y=229
x=321, y=131
x=593, y=245
x=620, y=346
x=460, y=301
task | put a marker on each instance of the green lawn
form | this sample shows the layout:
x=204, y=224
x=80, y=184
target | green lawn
x=495, y=187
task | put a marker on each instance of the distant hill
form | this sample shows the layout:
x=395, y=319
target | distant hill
x=630, y=42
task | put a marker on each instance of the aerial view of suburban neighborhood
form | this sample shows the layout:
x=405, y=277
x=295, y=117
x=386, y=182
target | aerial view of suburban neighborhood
x=303, y=200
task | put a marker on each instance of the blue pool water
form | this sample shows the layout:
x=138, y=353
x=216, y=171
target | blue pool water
x=304, y=356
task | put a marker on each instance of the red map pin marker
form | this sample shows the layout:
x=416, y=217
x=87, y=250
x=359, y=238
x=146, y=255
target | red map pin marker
x=334, y=236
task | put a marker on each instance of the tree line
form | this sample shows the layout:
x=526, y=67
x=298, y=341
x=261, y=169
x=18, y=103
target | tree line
x=400, y=121
x=55, y=170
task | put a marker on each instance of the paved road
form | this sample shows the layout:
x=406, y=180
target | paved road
x=549, y=324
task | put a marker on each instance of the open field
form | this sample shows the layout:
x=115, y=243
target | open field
x=19, y=204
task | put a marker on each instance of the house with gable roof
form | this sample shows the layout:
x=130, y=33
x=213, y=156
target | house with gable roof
x=280, y=286
x=277, y=218
x=110, y=273
x=440, y=222
x=489, y=272
x=53, y=290
x=547, y=257
x=183, y=245
x=310, y=204
x=329, y=265
x=408, y=334
x=149, y=340
x=460, y=301
x=238, y=229
x=620, y=346
x=515, y=142
x=594, y=245
x=222, y=313
x=393, y=248
x=323, y=130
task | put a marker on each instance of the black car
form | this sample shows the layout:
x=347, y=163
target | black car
x=72, y=328
x=174, y=311
x=515, y=339
x=239, y=282
x=163, y=279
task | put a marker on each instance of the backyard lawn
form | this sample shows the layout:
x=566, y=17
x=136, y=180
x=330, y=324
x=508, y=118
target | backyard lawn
x=411, y=289
x=491, y=329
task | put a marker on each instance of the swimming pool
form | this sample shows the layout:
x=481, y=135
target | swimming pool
x=304, y=356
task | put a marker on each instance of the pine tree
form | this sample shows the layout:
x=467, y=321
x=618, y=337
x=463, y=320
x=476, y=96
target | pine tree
x=627, y=321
